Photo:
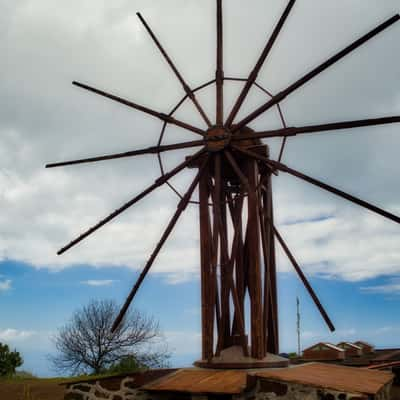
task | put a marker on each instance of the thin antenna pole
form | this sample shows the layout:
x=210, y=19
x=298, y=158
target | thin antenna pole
x=298, y=326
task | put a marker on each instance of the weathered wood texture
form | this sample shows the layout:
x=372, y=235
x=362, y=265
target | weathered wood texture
x=238, y=269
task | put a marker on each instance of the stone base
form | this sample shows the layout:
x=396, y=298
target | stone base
x=233, y=358
x=314, y=381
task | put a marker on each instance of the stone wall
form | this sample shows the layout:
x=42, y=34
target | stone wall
x=129, y=388
x=124, y=387
x=274, y=390
x=97, y=391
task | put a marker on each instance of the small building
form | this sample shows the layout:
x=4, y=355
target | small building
x=320, y=381
x=324, y=351
x=351, y=349
x=387, y=355
x=365, y=347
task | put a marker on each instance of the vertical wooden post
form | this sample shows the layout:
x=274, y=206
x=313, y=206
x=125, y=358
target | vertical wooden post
x=254, y=268
x=274, y=289
x=225, y=282
x=218, y=238
x=272, y=300
x=207, y=301
x=239, y=266
x=265, y=244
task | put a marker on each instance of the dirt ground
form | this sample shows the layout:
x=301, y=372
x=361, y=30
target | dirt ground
x=35, y=389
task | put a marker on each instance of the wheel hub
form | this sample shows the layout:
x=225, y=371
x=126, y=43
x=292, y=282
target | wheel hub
x=218, y=138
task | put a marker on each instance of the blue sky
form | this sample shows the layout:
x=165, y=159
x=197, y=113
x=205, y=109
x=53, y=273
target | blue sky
x=39, y=301
x=351, y=256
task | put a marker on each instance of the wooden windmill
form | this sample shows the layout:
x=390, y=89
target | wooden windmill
x=236, y=219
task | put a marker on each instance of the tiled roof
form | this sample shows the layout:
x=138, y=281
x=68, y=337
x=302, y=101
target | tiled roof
x=334, y=377
x=362, y=343
x=202, y=382
x=384, y=365
x=326, y=344
x=354, y=346
x=332, y=346
x=389, y=356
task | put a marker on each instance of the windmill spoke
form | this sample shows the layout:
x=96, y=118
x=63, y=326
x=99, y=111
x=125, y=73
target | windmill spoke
x=185, y=86
x=254, y=73
x=162, y=116
x=256, y=156
x=282, y=167
x=336, y=191
x=293, y=131
x=181, y=207
x=296, y=85
x=220, y=65
x=163, y=179
x=304, y=280
x=148, y=150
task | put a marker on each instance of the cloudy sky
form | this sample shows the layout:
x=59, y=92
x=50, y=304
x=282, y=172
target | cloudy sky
x=351, y=255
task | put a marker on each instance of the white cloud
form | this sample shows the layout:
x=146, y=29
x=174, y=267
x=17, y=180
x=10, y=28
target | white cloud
x=183, y=342
x=15, y=335
x=390, y=288
x=44, y=119
x=353, y=245
x=386, y=329
x=28, y=340
x=103, y=282
x=5, y=285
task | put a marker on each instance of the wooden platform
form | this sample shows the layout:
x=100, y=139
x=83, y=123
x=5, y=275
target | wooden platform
x=233, y=358
x=200, y=381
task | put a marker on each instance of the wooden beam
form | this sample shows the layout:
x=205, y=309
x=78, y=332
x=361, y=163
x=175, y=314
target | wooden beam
x=189, y=92
x=162, y=116
x=219, y=75
x=207, y=294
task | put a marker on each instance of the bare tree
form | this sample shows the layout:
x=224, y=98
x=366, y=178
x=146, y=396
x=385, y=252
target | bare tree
x=86, y=345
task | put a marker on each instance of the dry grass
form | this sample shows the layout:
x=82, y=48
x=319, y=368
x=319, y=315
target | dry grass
x=32, y=389
x=19, y=388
